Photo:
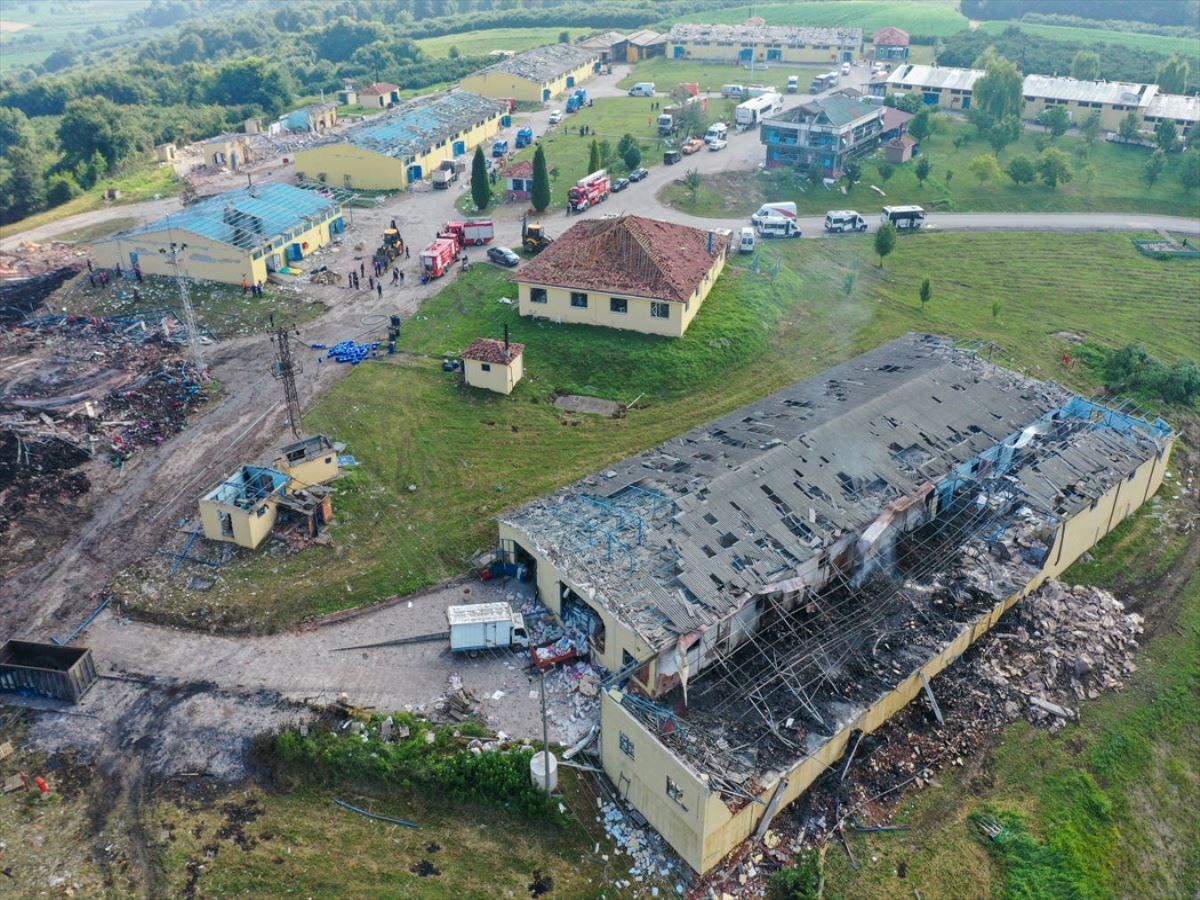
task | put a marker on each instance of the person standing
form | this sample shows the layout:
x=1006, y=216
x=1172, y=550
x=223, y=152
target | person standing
x=379, y=287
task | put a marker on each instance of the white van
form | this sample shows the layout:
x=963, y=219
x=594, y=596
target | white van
x=845, y=68
x=736, y=91
x=774, y=211
x=793, y=85
x=843, y=220
x=778, y=228
x=746, y=241
x=716, y=132
x=903, y=217
x=642, y=89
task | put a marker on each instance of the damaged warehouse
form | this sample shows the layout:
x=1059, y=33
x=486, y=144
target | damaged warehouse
x=765, y=586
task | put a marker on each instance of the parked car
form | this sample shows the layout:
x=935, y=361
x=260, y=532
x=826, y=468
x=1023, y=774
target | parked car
x=555, y=116
x=638, y=174
x=718, y=144
x=619, y=185
x=502, y=256
x=692, y=146
x=671, y=157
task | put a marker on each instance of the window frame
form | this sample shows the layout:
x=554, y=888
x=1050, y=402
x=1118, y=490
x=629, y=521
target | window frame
x=538, y=295
x=579, y=300
x=612, y=305
x=660, y=309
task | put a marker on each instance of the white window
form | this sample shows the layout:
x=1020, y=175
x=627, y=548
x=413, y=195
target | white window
x=660, y=310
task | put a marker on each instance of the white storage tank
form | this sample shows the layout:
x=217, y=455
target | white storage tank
x=547, y=781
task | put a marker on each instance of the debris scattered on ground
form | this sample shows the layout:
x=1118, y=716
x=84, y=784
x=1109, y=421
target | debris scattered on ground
x=631, y=833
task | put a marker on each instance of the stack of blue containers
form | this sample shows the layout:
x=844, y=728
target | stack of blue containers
x=352, y=352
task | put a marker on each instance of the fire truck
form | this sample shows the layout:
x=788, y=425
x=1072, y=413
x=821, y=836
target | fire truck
x=438, y=257
x=588, y=191
x=471, y=233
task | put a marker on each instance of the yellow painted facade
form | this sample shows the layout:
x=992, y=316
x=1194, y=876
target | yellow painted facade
x=494, y=376
x=249, y=527
x=209, y=259
x=305, y=473
x=501, y=85
x=343, y=164
x=768, y=53
x=555, y=303
x=700, y=826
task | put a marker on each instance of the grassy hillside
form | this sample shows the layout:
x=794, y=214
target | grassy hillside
x=921, y=17
x=471, y=454
x=481, y=43
x=1155, y=43
x=68, y=23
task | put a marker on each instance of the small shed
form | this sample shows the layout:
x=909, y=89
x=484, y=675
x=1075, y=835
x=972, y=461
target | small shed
x=381, y=94
x=66, y=673
x=520, y=180
x=493, y=365
x=165, y=153
x=242, y=509
x=900, y=149
x=347, y=96
x=890, y=44
x=308, y=461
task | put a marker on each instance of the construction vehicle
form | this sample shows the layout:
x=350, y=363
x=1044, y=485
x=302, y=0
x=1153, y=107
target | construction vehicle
x=438, y=257
x=469, y=233
x=391, y=247
x=533, y=237
x=524, y=137
x=444, y=175
x=588, y=191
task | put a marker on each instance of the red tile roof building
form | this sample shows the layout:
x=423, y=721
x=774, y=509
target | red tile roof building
x=490, y=350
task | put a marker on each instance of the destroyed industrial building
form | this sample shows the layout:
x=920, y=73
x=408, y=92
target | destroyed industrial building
x=765, y=586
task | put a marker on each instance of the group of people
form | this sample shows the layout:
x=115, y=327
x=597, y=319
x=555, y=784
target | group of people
x=256, y=288
x=374, y=282
x=101, y=278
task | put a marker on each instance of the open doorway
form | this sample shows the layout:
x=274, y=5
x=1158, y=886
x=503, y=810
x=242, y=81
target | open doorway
x=577, y=614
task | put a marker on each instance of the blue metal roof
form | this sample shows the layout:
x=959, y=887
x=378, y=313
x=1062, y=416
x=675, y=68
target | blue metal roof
x=423, y=123
x=248, y=217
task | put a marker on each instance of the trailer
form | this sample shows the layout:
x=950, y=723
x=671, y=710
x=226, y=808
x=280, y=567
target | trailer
x=470, y=233
x=754, y=110
x=588, y=191
x=66, y=673
x=485, y=626
x=438, y=257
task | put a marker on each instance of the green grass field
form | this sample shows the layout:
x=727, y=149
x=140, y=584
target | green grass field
x=1156, y=43
x=919, y=17
x=1116, y=186
x=64, y=23
x=481, y=43
x=666, y=73
x=472, y=455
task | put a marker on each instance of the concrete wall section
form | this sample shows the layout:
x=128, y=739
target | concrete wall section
x=204, y=258
x=250, y=527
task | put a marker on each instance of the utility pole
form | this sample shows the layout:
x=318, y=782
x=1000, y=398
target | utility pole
x=189, y=316
x=285, y=369
x=545, y=739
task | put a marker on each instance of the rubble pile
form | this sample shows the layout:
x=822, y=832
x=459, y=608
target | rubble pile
x=649, y=852
x=1061, y=645
x=24, y=285
x=457, y=704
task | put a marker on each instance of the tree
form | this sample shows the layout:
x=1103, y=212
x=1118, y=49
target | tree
x=1154, y=167
x=1055, y=167
x=1172, y=76
x=1086, y=66
x=337, y=41
x=594, y=157
x=539, y=196
x=852, y=172
x=60, y=59
x=1189, y=170
x=1088, y=174
x=923, y=170
x=1000, y=92
x=926, y=293
x=910, y=103
x=949, y=176
x=24, y=190
x=885, y=241
x=1130, y=128
x=481, y=186
x=14, y=129
x=996, y=309
x=606, y=152
x=564, y=37
x=1004, y=132
x=1166, y=135
x=632, y=157
x=921, y=124
x=252, y=81
x=627, y=140
x=848, y=283
x=985, y=167
x=61, y=189
x=96, y=125
x=1058, y=120
x=1091, y=127
x=692, y=182
x=886, y=170
x=452, y=52
x=1021, y=170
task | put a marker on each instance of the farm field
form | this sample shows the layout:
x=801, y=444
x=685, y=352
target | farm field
x=471, y=455
x=939, y=18
x=1116, y=184
x=1157, y=43
x=483, y=42
x=64, y=24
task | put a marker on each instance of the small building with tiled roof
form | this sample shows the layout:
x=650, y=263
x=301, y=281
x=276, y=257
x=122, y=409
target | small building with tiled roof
x=629, y=272
x=494, y=365
x=382, y=94
x=519, y=179
x=890, y=44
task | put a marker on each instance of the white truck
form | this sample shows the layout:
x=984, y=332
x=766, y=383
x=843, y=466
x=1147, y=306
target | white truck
x=485, y=626
x=778, y=210
x=444, y=175
x=843, y=220
x=754, y=110
x=793, y=85
x=903, y=217
x=778, y=228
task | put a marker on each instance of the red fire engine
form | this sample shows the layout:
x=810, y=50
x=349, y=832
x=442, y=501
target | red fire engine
x=588, y=191
x=471, y=233
x=438, y=257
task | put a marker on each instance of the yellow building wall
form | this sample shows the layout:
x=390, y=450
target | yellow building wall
x=309, y=472
x=599, y=312
x=499, y=378
x=1110, y=118
x=720, y=831
x=204, y=258
x=249, y=528
x=729, y=53
x=503, y=84
x=618, y=638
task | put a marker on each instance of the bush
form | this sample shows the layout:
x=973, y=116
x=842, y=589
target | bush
x=1134, y=370
x=796, y=882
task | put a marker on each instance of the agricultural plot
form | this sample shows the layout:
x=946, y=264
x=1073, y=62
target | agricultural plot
x=76, y=24
x=1154, y=43
x=481, y=43
x=939, y=18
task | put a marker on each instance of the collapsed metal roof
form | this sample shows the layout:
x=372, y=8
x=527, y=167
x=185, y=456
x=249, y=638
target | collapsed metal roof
x=786, y=35
x=421, y=124
x=543, y=64
x=679, y=536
